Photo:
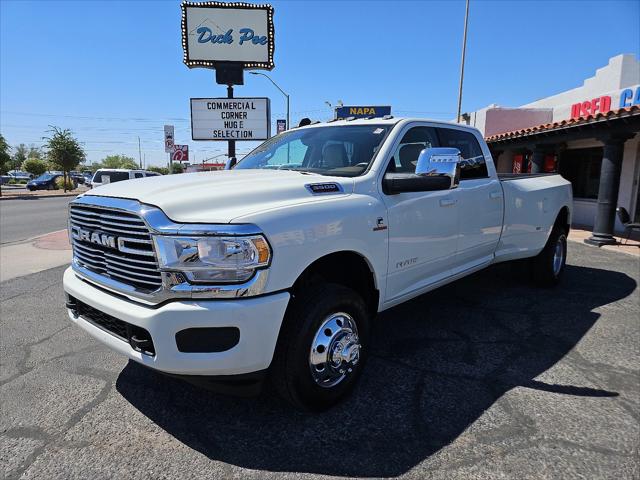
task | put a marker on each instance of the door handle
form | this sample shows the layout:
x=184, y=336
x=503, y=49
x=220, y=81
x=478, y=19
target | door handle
x=447, y=202
x=494, y=195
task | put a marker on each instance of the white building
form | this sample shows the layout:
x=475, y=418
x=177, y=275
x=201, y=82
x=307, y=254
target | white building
x=589, y=134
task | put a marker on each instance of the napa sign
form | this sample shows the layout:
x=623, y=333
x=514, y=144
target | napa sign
x=362, y=111
x=239, y=33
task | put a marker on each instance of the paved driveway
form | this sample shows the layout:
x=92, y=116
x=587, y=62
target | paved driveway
x=486, y=378
x=26, y=218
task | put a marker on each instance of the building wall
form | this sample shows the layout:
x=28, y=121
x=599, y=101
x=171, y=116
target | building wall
x=500, y=120
x=628, y=194
x=622, y=72
x=584, y=210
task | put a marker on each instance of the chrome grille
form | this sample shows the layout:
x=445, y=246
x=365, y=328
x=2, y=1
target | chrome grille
x=131, y=260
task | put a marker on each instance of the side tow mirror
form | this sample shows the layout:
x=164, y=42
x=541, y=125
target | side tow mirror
x=437, y=169
x=440, y=162
x=410, y=182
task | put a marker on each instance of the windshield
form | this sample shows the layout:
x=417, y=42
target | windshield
x=103, y=176
x=45, y=176
x=342, y=150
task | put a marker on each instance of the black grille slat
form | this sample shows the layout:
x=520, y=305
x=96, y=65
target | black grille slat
x=109, y=220
x=104, y=213
x=106, y=228
x=139, y=270
x=137, y=337
x=151, y=264
x=138, y=282
x=142, y=269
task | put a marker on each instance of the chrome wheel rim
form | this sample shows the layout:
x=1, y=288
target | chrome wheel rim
x=335, y=350
x=558, y=256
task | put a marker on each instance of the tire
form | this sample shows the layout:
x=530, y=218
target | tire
x=547, y=267
x=298, y=373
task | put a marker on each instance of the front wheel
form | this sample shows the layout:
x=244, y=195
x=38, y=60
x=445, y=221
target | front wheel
x=322, y=347
x=548, y=265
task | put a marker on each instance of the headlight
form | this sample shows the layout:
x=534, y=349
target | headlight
x=213, y=259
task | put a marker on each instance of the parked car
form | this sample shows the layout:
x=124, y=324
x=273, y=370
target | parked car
x=46, y=181
x=112, y=175
x=236, y=274
x=78, y=177
x=20, y=175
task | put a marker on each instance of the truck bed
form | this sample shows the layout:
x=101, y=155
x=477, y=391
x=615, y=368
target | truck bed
x=532, y=202
x=505, y=177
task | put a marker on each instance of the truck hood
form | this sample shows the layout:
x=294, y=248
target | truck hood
x=221, y=196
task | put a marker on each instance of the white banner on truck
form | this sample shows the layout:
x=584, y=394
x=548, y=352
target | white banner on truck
x=230, y=119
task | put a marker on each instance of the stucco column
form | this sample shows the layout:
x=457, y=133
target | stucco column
x=608, y=192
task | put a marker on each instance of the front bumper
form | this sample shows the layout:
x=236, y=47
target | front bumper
x=258, y=320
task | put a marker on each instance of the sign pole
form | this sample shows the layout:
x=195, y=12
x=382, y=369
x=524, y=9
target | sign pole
x=232, y=143
x=464, y=50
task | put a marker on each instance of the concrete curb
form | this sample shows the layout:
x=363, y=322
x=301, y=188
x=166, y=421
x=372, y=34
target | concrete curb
x=26, y=196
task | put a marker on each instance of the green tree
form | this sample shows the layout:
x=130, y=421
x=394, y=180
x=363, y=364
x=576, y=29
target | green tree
x=19, y=156
x=35, y=166
x=161, y=170
x=177, y=167
x=5, y=158
x=34, y=152
x=118, y=161
x=63, y=150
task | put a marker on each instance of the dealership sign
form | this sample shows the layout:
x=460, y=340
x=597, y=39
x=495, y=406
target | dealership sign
x=230, y=118
x=217, y=32
x=362, y=111
x=593, y=106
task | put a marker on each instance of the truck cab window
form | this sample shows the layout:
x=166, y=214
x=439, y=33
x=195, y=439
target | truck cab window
x=345, y=151
x=414, y=141
x=473, y=162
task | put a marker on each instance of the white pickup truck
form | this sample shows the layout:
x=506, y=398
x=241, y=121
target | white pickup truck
x=280, y=264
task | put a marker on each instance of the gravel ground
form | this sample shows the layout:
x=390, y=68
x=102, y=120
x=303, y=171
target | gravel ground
x=486, y=378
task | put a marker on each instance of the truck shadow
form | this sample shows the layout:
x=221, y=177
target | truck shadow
x=440, y=362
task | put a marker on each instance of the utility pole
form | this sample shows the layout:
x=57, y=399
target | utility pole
x=464, y=51
x=139, y=154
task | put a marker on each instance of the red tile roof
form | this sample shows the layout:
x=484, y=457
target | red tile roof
x=611, y=114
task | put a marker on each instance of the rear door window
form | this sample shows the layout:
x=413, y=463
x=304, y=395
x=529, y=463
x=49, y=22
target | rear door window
x=473, y=162
x=102, y=176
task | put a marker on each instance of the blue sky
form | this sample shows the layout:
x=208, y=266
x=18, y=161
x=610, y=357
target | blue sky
x=113, y=71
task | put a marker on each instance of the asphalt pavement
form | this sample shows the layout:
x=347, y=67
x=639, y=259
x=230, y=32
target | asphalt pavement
x=488, y=377
x=25, y=218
